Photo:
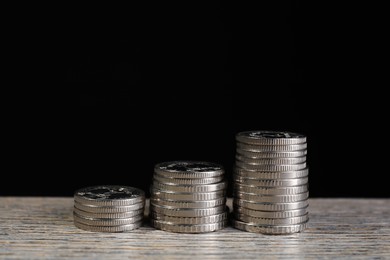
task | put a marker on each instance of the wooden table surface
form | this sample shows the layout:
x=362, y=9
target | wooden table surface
x=42, y=228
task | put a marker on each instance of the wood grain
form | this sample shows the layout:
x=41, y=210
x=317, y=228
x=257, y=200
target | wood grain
x=42, y=228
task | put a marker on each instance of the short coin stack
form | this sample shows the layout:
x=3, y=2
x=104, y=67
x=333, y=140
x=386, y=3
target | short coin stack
x=109, y=208
x=188, y=197
x=270, y=182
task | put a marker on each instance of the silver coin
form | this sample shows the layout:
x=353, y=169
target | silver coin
x=109, y=195
x=270, y=148
x=275, y=161
x=270, y=206
x=113, y=229
x=187, y=195
x=271, y=183
x=271, y=175
x=188, y=204
x=191, y=221
x=189, y=169
x=272, y=230
x=270, y=167
x=271, y=199
x=272, y=221
x=260, y=155
x=105, y=221
x=270, y=190
x=108, y=209
x=190, y=188
x=178, y=212
x=270, y=214
x=270, y=137
x=128, y=214
x=191, y=181
x=182, y=228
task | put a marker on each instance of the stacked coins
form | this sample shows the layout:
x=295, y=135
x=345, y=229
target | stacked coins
x=270, y=182
x=108, y=208
x=188, y=197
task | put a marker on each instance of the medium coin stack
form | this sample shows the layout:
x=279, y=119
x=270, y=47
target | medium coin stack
x=270, y=182
x=188, y=197
x=108, y=208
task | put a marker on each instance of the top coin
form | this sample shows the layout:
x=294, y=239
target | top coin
x=189, y=169
x=270, y=138
x=109, y=195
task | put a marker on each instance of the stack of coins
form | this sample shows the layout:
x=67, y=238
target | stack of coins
x=270, y=182
x=188, y=197
x=109, y=208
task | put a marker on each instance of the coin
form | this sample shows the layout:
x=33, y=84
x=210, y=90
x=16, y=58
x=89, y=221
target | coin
x=271, y=214
x=271, y=154
x=191, y=221
x=270, y=183
x=121, y=228
x=190, y=188
x=270, y=138
x=188, y=181
x=272, y=230
x=189, y=169
x=128, y=214
x=270, y=206
x=188, y=204
x=270, y=167
x=270, y=148
x=272, y=175
x=272, y=199
x=107, y=209
x=270, y=190
x=180, y=212
x=182, y=228
x=187, y=195
x=277, y=161
x=109, y=195
x=106, y=221
x=272, y=221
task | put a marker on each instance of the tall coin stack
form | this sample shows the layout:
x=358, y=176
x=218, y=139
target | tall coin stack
x=108, y=208
x=188, y=197
x=270, y=182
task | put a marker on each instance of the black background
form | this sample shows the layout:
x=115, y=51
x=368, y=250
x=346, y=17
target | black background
x=128, y=87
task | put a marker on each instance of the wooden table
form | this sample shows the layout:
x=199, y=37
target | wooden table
x=42, y=228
